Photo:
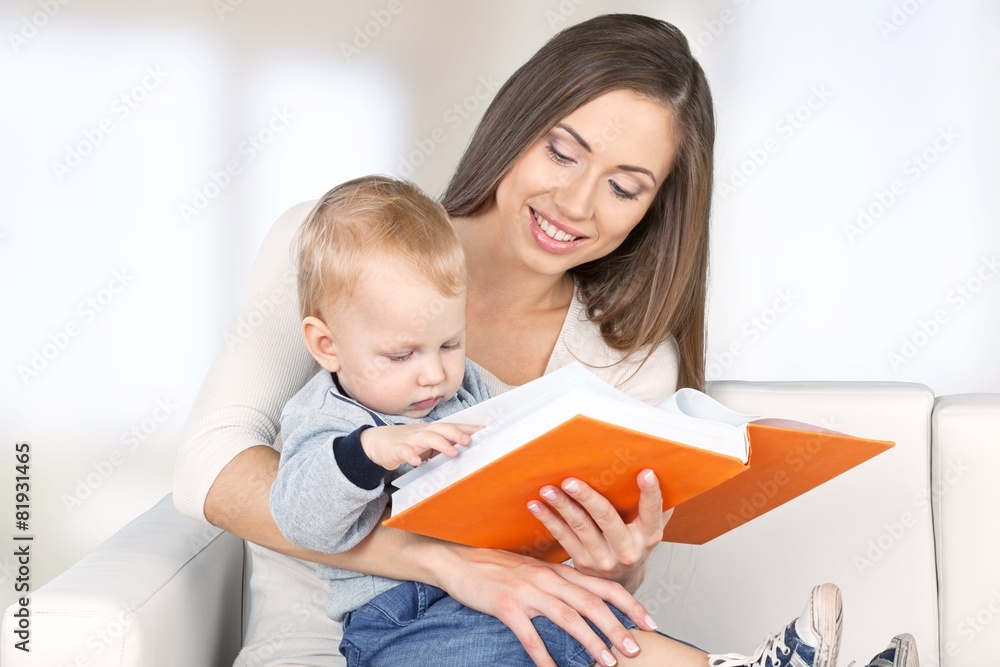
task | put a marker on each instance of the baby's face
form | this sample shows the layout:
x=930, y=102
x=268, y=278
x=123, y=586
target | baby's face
x=400, y=344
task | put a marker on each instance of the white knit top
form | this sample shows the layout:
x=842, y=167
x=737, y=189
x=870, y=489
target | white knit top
x=265, y=362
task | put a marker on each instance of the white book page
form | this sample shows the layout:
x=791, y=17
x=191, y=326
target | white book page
x=414, y=488
x=696, y=404
x=715, y=436
x=514, y=423
x=514, y=405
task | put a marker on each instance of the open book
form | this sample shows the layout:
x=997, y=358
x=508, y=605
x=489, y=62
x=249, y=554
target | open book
x=717, y=468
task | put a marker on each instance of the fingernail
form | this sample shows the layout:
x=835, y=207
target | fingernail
x=607, y=658
x=534, y=508
x=572, y=486
x=630, y=645
x=549, y=495
x=649, y=477
x=650, y=622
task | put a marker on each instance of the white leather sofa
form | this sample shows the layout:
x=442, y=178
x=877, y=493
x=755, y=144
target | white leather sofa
x=912, y=537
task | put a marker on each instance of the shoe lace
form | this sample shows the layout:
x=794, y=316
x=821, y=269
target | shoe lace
x=767, y=651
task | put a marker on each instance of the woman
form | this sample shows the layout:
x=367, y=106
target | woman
x=582, y=203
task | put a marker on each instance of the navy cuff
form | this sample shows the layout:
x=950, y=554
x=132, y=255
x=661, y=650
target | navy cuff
x=355, y=464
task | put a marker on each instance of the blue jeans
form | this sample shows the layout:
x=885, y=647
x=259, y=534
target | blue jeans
x=417, y=624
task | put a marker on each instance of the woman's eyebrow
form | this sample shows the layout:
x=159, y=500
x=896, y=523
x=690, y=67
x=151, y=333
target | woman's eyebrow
x=624, y=167
x=576, y=136
x=640, y=170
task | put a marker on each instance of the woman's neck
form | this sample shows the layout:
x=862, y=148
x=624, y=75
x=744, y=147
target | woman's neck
x=514, y=313
x=499, y=283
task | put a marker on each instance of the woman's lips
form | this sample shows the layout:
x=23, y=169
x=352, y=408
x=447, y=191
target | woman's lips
x=547, y=242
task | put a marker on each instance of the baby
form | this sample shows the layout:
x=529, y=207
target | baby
x=382, y=292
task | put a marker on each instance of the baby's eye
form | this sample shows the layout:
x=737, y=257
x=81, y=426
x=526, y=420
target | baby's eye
x=402, y=356
x=454, y=345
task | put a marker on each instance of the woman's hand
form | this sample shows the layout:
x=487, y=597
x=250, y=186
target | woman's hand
x=516, y=588
x=595, y=536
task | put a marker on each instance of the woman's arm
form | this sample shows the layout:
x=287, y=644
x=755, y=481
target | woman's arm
x=511, y=587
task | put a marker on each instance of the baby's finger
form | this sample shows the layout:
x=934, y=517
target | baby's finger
x=429, y=441
x=460, y=434
x=404, y=452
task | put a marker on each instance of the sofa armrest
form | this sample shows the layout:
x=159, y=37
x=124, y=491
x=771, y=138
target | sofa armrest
x=164, y=590
x=965, y=467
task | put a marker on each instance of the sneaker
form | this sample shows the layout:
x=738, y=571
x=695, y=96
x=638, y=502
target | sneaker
x=902, y=652
x=811, y=640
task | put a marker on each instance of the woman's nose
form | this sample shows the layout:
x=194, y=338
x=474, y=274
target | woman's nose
x=574, y=196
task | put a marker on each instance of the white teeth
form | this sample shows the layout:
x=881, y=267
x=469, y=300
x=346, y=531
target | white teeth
x=551, y=231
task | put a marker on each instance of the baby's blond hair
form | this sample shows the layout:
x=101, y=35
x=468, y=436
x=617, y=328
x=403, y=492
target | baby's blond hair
x=367, y=218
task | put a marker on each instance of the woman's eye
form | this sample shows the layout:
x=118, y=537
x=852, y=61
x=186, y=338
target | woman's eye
x=621, y=193
x=557, y=156
x=399, y=357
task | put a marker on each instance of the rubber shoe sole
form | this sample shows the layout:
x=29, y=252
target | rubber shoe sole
x=906, y=651
x=827, y=621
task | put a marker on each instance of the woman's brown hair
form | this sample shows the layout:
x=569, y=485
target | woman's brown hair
x=653, y=285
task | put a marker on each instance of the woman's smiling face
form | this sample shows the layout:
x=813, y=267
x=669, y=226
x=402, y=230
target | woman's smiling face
x=575, y=194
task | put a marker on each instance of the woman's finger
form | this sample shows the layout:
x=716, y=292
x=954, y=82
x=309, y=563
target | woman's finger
x=570, y=606
x=601, y=616
x=557, y=528
x=515, y=588
x=577, y=527
x=600, y=509
x=615, y=594
x=520, y=624
x=650, y=521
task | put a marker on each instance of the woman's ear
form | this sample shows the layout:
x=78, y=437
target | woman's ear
x=322, y=346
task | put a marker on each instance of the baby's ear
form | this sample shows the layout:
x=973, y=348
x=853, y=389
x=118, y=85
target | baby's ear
x=322, y=346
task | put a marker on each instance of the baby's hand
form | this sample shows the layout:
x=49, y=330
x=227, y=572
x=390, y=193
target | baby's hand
x=392, y=446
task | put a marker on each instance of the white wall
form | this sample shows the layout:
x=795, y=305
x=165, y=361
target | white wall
x=126, y=295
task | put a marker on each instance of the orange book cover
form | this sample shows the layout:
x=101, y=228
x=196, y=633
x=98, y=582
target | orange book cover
x=784, y=463
x=712, y=493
